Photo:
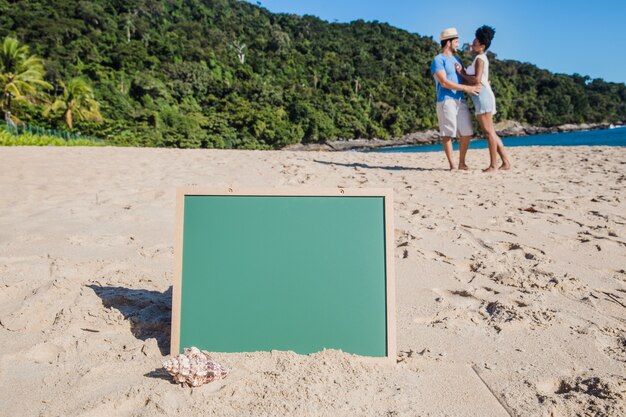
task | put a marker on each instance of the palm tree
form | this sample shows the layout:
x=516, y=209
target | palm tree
x=21, y=74
x=76, y=102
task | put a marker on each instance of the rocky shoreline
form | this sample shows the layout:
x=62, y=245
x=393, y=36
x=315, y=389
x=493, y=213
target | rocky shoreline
x=504, y=129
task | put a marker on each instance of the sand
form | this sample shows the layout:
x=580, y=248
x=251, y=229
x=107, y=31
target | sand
x=511, y=287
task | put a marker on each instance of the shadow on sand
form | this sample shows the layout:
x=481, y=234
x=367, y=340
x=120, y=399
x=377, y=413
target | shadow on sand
x=366, y=166
x=160, y=373
x=149, y=312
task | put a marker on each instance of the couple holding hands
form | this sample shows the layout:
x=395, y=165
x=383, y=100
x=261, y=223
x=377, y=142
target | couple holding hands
x=452, y=81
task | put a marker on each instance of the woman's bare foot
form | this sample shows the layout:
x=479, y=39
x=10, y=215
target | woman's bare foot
x=505, y=166
x=489, y=169
x=463, y=167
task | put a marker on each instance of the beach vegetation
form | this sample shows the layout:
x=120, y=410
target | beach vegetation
x=21, y=74
x=75, y=102
x=231, y=74
x=31, y=139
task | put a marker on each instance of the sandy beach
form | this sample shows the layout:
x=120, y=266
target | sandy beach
x=511, y=287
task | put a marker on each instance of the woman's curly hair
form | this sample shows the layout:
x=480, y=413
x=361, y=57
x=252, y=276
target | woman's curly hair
x=484, y=34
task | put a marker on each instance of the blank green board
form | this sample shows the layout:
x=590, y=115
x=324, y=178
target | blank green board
x=284, y=272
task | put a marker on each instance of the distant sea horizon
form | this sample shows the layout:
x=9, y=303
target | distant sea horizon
x=604, y=137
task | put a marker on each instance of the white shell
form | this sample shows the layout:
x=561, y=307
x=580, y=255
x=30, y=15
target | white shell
x=194, y=367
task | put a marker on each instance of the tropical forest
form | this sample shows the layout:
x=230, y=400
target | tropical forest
x=231, y=74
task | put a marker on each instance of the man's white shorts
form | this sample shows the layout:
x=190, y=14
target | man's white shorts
x=454, y=118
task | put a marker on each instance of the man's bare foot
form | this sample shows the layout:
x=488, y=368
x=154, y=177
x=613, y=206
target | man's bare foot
x=505, y=166
x=463, y=167
x=489, y=169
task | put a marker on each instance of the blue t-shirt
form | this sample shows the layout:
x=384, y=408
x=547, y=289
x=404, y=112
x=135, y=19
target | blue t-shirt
x=443, y=62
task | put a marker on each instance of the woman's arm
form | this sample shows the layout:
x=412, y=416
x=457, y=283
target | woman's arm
x=445, y=83
x=472, y=79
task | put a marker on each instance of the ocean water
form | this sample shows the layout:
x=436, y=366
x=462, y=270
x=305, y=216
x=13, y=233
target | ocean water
x=607, y=137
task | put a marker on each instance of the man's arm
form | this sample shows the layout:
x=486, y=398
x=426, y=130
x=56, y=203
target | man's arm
x=445, y=83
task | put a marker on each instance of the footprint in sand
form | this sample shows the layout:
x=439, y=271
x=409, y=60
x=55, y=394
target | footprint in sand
x=459, y=306
x=548, y=386
x=612, y=342
x=521, y=266
x=41, y=308
x=155, y=251
x=501, y=314
x=45, y=352
x=583, y=395
x=486, y=306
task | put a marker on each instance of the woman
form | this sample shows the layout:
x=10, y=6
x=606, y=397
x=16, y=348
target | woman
x=485, y=102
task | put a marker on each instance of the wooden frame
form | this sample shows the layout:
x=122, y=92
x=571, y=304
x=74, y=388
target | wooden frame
x=385, y=193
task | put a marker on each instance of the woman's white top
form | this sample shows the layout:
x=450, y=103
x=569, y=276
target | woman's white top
x=471, y=70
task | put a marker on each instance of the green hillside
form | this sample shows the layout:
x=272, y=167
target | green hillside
x=229, y=74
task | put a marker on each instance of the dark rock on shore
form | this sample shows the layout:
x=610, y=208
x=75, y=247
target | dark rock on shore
x=504, y=129
x=417, y=138
x=511, y=128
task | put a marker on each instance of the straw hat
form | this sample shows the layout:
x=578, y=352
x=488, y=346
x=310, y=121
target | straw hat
x=449, y=33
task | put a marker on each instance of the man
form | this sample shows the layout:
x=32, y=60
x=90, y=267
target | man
x=452, y=112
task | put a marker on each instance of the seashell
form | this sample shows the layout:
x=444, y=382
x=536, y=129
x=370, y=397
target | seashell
x=194, y=367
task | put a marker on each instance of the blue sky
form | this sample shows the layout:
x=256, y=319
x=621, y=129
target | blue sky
x=585, y=37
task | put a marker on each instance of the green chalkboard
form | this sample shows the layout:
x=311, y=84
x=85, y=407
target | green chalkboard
x=275, y=270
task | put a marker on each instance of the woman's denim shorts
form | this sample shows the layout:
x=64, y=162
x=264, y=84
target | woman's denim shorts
x=485, y=102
